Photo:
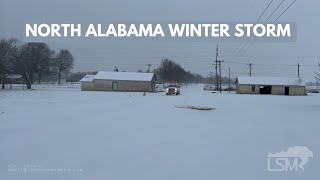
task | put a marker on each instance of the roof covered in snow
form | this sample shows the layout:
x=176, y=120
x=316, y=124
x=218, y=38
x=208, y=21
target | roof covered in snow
x=87, y=78
x=120, y=76
x=14, y=76
x=124, y=76
x=270, y=81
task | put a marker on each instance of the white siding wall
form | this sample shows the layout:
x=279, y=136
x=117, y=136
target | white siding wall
x=276, y=90
x=87, y=86
x=247, y=89
x=130, y=86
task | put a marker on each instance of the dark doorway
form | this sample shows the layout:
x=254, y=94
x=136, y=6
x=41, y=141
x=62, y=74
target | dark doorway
x=115, y=86
x=286, y=91
x=265, y=89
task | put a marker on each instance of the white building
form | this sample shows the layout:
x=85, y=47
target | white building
x=118, y=81
x=270, y=85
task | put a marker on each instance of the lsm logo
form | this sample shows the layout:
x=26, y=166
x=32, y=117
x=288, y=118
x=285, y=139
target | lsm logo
x=291, y=160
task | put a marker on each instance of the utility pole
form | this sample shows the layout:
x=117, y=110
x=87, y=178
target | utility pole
x=229, y=81
x=149, y=65
x=220, y=78
x=217, y=67
x=298, y=70
x=250, y=66
x=211, y=78
x=218, y=63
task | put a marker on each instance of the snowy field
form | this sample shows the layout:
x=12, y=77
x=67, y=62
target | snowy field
x=128, y=136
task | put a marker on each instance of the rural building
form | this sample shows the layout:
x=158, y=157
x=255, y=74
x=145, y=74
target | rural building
x=118, y=81
x=13, y=79
x=270, y=85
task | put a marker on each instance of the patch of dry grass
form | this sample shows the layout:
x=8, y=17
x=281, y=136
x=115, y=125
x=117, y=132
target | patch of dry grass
x=200, y=108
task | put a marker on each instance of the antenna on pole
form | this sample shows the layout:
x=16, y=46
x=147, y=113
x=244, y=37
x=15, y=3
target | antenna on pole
x=250, y=67
x=229, y=81
x=298, y=70
x=217, y=49
x=149, y=65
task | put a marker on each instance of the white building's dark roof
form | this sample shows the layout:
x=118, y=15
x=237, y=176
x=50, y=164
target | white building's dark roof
x=120, y=76
x=270, y=81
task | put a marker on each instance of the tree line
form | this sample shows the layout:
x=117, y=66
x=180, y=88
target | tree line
x=33, y=61
x=170, y=71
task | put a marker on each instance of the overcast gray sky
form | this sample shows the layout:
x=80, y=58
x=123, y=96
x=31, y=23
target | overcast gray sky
x=92, y=54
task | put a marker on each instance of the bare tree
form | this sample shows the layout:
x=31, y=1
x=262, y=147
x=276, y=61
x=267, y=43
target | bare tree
x=21, y=56
x=63, y=62
x=317, y=76
x=6, y=65
x=22, y=53
x=30, y=59
x=41, y=59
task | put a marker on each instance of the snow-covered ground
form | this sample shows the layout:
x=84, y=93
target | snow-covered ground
x=122, y=136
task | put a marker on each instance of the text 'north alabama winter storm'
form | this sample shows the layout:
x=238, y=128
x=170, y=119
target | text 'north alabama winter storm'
x=161, y=30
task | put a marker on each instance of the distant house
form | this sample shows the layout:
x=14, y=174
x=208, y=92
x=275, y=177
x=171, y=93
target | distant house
x=119, y=81
x=270, y=85
x=13, y=79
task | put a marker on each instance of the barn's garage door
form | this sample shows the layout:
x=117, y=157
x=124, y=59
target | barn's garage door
x=286, y=91
x=265, y=89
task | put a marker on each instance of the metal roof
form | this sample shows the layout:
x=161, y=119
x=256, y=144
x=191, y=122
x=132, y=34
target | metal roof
x=120, y=76
x=270, y=81
x=87, y=78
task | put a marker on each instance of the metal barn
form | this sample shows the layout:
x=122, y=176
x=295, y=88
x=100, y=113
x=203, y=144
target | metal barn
x=119, y=81
x=270, y=85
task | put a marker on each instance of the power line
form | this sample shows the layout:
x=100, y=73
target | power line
x=256, y=21
x=275, y=10
x=286, y=9
x=235, y=57
x=265, y=10
x=244, y=9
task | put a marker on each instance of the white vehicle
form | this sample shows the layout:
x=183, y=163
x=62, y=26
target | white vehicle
x=159, y=87
x=173, y=89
